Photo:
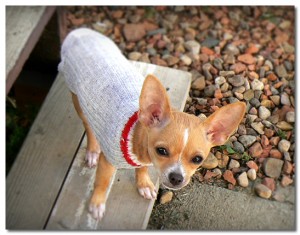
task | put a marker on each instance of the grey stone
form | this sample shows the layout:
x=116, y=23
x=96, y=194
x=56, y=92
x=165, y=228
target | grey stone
x=218, y=63
x=255, y=102
x=247, y=140
x=272, y=167
x=193, y=46
x=258, y=126
x=284, y=99
x=238, y=147
x=284, y=145
x=263, y=112
x=281, y=71
x=209, y=91
x=290, y=116
x=257, y=85
x=236, y=81
x=210, y=42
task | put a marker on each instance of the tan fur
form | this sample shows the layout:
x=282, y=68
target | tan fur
x=184, y=136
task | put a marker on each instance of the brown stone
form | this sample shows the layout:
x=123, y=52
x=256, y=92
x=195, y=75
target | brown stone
x=272, y=77
x=156, y=60
x=264, y=141
x=117, y=14
x=275, y=153
x=228, y=176
x=287, y=167
x=272, y=167
x=207, y=51
x=166, y=197
x=134, y=32
x=252, y=165
x=269, y=132
x=266, y=151
x=252, y=49
x=263, y=191
x=285, y=181
x=238, y=67
x=256, y=150
x=218, y=94
x=246, y=58
x=270, y=183
x=274, y=140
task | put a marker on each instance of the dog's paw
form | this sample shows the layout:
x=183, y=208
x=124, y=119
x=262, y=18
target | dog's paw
x=148, y=193
x=97, y=211
x=91, y=158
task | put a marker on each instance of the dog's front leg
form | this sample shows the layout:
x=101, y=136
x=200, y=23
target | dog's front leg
x=144, y=184
x=104, y=175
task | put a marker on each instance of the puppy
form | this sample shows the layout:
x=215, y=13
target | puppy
x=131, y=118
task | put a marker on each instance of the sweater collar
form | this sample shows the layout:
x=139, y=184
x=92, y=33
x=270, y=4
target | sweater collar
x=126, y=141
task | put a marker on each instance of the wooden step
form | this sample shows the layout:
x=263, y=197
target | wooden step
x=24, y=26
x=49, y=188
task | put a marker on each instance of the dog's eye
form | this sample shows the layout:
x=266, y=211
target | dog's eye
x=197, y=159
x=162, y=151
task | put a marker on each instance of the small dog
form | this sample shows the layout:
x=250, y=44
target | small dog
x=131, y=118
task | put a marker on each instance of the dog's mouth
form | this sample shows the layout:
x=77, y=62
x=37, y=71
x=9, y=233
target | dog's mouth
x=168, y=185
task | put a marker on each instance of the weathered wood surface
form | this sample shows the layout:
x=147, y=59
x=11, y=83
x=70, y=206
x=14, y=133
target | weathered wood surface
x=37, y=175
x=24, y=25
x=125, y=209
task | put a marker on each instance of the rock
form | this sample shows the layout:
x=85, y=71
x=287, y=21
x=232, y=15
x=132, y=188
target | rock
x=218, y=94
x=238, y=67
x=209, y=91
x=272, y=167
x=285, y=181
x=134, y=32
x=285, y=24
x=185, y=59
x=288, y=48
x=199, y=83
x=220, y=80
x=236, y=81
x=287, y=168
x=246, y=59
x=284, y=126
x=158, y=61
x=247, y=140
x=255, y=102
x=252, y=165
x=270, y=183
x=210, y=162
x=290, y=116
x=258, y=126
x=284, y=99
x=284, y=145
x=263, y=191
x=278, y=196
x=134, y=55
x=255, y=150
x=218, y=63
x=288, y=65
x=232, y=49
x=145, y=58
x=193, y=46
x=263, y=112
x=253, y=49
x=274, y=140
x=248, y=95
x=251, y=173
x=227, y=74
x=238, y=147
x=275, y=99
x=274, y=153
x=228, y=176
x=243, y=180
x=172, y=60
x=157, y=31
x=217, y=172
x=257, y=85
x=281, y=71
x=233, y=164
x=210, y=42
x=223, y=160
x=166, y=197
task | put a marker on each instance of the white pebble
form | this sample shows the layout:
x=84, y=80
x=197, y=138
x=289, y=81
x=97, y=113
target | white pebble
x=251, y=173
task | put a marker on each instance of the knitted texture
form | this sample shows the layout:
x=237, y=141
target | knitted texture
x=107, y=86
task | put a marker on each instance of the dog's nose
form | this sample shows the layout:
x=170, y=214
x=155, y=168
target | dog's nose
x=175, y=178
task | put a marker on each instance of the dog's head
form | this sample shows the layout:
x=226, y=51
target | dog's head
x=178, y=142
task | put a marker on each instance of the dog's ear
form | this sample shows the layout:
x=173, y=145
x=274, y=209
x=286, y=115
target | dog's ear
x=155, y=108
x=221, y=124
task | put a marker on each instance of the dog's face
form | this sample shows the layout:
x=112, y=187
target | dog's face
x=178, y=143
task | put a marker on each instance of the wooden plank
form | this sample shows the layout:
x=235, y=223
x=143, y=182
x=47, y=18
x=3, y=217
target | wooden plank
x=71, y=209
x=24, y=26
x=38, y=173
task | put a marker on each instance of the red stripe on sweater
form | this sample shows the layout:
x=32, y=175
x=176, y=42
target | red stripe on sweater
x=125, y=139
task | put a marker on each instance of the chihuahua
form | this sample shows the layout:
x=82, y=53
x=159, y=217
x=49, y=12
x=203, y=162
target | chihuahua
x=139, y=128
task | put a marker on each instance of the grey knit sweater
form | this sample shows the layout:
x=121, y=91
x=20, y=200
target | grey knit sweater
x=108, y=89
